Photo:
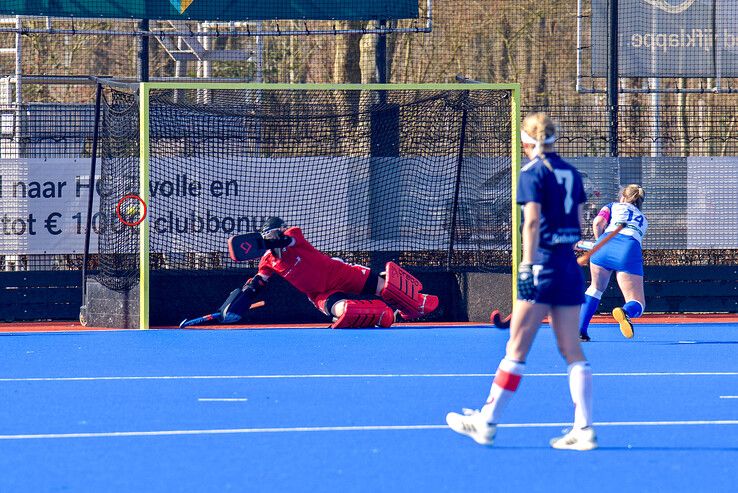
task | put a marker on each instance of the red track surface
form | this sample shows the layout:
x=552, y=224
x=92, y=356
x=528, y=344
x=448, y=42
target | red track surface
x=685, y=318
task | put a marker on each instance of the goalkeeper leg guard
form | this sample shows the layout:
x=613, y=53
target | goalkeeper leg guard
x=364, y=313
x=403, y=291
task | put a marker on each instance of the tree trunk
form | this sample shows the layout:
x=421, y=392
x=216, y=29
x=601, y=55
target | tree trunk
x=346, y=61
x=683, y=118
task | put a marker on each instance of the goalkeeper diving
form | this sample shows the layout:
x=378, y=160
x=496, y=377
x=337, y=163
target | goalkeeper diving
x=353, y=295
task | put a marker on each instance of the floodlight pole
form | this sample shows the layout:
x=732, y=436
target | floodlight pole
x=612, y=76
x=381, y=54
x=90, y=201
x=143, y=52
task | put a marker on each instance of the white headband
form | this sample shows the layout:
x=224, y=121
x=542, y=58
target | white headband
x=527, y=139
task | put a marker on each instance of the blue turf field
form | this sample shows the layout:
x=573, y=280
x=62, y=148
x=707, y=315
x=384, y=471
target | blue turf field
x=321, y=410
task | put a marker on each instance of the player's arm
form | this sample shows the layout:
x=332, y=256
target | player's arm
x=250, y=246
x=282, y=241
x=601, y=221
x=531, y=237
x=277, y=239
x=531, y=229
x=581, y=214
x=239, y=301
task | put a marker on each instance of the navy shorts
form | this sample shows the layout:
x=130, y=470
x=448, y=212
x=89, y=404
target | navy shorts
x=559, y=280
x=622, y=253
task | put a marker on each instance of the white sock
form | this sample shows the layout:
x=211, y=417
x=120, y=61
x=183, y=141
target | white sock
x=580, y=386
x=504, y=386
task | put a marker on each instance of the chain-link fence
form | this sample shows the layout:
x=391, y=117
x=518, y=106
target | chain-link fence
x=549, y=46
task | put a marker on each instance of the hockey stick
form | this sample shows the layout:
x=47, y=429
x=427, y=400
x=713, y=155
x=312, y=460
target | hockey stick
x=584, y=259
x=499, y=322
x=504, y=323
x=211, y=316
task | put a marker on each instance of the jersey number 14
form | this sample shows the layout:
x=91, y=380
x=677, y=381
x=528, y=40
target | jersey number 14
x=638, y=218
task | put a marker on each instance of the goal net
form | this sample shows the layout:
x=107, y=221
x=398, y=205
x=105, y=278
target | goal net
x=418, y=174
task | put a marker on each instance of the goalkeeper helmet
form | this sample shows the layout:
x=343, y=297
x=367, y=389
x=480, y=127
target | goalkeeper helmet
x=270, y=225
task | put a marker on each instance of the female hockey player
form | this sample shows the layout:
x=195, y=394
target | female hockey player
x=621, y=254
x=550, y=282
x=353, y=295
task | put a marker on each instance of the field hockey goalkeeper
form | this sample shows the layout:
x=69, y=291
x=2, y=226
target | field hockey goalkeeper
x=353, y=295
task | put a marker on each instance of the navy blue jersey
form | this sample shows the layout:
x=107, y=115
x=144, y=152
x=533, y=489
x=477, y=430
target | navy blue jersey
x=559, y=190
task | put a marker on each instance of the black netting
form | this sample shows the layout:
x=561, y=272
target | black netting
x=419, y=176
x=118, y=247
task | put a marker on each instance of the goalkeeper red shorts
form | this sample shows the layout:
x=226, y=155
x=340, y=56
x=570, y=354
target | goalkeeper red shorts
x=345, y=278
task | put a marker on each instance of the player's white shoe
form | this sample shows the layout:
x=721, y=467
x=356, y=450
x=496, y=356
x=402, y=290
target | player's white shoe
x=576, y=439
x=472, y=424
x=622, y=318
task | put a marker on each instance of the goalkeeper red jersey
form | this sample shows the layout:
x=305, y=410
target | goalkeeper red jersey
x=311, y=271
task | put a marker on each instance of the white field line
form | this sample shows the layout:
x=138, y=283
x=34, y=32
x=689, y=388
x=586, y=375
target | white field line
x=729, y=396
x=222, y=399
x=360, y=375
x=237, y=431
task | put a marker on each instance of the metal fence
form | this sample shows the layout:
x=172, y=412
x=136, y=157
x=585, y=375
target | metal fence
x=549, y=46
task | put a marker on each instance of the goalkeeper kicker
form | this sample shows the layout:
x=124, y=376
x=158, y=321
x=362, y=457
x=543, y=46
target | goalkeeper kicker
x=353, y=295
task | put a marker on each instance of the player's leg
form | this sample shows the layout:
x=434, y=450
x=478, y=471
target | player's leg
x=353, y=279
x=524, y=324
x=564, y=321
x=481, y=425
x=348, y=311
x=635, y=301
x=401, y=290
x=600, y=278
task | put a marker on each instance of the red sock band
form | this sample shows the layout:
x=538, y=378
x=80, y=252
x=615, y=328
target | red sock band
x=508, y=381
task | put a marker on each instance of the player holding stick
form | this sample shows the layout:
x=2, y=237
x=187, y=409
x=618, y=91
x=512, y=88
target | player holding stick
x=622, y=226
x=353, y=295
x=549, y=283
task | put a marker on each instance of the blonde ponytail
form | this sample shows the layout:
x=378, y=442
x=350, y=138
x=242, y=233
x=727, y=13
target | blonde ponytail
x=633, y=194
x=540, y=130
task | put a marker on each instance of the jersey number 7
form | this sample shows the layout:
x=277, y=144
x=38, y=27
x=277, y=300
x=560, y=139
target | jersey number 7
x=566, y=178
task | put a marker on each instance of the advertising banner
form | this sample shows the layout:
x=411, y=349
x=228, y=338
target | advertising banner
x=690, y=203
x=43, y=206
x=668, y=38
x=212, y=10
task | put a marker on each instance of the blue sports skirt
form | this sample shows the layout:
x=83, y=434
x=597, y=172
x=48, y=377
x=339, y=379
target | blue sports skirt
x=622, y=253
x=559, y=279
